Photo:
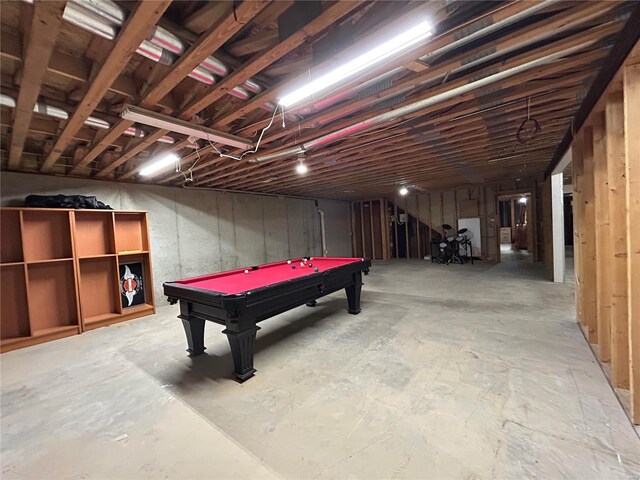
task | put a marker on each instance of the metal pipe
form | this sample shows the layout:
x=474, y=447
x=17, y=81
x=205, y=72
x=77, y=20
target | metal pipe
x=323, y=237
x=491, y=28
x=419, y=105
x=101, y=17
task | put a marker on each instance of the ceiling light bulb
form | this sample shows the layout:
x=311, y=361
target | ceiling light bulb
x=523, y=200
x=159, y=164
x=302, y=169
x=387, y=49
x=404, y=191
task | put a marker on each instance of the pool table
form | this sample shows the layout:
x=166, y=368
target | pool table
x=240, y=299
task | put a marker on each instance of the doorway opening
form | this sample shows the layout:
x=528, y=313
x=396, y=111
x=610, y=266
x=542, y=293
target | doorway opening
x=515, y=232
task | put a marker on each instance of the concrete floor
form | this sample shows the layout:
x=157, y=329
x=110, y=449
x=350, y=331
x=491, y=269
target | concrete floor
x=449, y=372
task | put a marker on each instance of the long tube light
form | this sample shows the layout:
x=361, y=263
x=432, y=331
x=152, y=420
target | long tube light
x=391, y=47
x=165, y=122
x=159, y=164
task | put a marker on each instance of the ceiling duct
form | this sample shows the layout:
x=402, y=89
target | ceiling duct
x=416, y=106
x=102, y=17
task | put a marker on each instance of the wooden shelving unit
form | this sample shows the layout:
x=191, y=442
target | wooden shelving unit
x=60, y=271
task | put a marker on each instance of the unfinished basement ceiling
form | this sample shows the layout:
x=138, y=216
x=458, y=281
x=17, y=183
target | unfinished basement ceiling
x=442, y=114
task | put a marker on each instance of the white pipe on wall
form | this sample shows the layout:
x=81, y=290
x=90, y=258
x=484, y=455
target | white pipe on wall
x=323, y=236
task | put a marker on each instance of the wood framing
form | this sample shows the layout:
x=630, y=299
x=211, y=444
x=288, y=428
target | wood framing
x=616, y=165
x=603, y=250
x=41, y=39
x=631, y=82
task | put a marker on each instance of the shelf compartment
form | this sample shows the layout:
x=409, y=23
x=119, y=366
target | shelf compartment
x=52, y=295
x=131, y=232
x=11, y=245
x=47, y=235
x=147, y=281
x=98, y=282
x=127, y=314
x=13, y=302
x=94, y=233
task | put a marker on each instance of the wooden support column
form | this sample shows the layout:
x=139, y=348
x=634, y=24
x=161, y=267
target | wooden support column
x=603, y=244
x=418, y=225
x=616, y=161
x=395, y=226
x=406, y=227
x=364, y=244
x=578, y=222
x=373, y=233
x=353, y=229
x=588, y=241
x=384, y=227
x=631, y=82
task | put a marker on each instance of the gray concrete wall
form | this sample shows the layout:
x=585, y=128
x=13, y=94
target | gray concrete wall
x=194, y=232
x=337, y=224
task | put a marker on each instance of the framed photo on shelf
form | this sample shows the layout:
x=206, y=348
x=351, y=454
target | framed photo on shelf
x=132, y=283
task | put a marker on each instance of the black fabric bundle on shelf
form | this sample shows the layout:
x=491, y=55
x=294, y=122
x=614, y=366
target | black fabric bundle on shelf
x=65, y=201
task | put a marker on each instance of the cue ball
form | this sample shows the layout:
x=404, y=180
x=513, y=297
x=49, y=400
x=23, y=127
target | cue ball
x=302, y=264
x=246, y=271
x=289, y=262
x=316, y=269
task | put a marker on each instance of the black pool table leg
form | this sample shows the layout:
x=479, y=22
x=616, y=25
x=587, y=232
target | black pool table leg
x=242, y=347
x=312, y=303
x=194, y=329
x=353, y=293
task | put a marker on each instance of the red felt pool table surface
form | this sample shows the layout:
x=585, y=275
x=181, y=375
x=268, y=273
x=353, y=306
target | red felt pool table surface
x=236, y=281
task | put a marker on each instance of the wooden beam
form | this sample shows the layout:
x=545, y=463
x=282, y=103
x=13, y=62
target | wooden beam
x=588, y=240
x=603, y=248
x=254, y=43
x=627, y=39
x=223, y=29
x=45, y=24
x=137, y=26
x=631, y=82
x=578, y=222
x=331, y=14
x=616, y=163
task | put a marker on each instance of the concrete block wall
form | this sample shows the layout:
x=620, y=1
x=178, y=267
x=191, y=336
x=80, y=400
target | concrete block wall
x=194, y=232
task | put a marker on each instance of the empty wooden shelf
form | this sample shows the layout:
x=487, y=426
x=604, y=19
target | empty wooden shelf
x=60, y=272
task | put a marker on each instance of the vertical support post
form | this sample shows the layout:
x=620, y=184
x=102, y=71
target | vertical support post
x=418, y=224
x=588, y=240
x=557, y=227
x=384, y=228
x=373, y=235
x=603, y=249
x=577, y=164
x=616, y=164
x=395, y=226
x=353, y=229
x=364, y=244
x=631, y=82
x=406, y=226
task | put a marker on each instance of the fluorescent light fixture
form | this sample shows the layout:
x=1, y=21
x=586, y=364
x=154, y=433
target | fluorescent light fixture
x=404, y=191
x=389, y=48
x=165, y=122
x=159, y=164
x=302, y=169
x=523, y=200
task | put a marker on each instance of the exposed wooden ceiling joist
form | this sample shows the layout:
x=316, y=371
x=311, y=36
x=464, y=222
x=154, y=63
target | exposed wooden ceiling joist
x=40, y=41
x=144, y=16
